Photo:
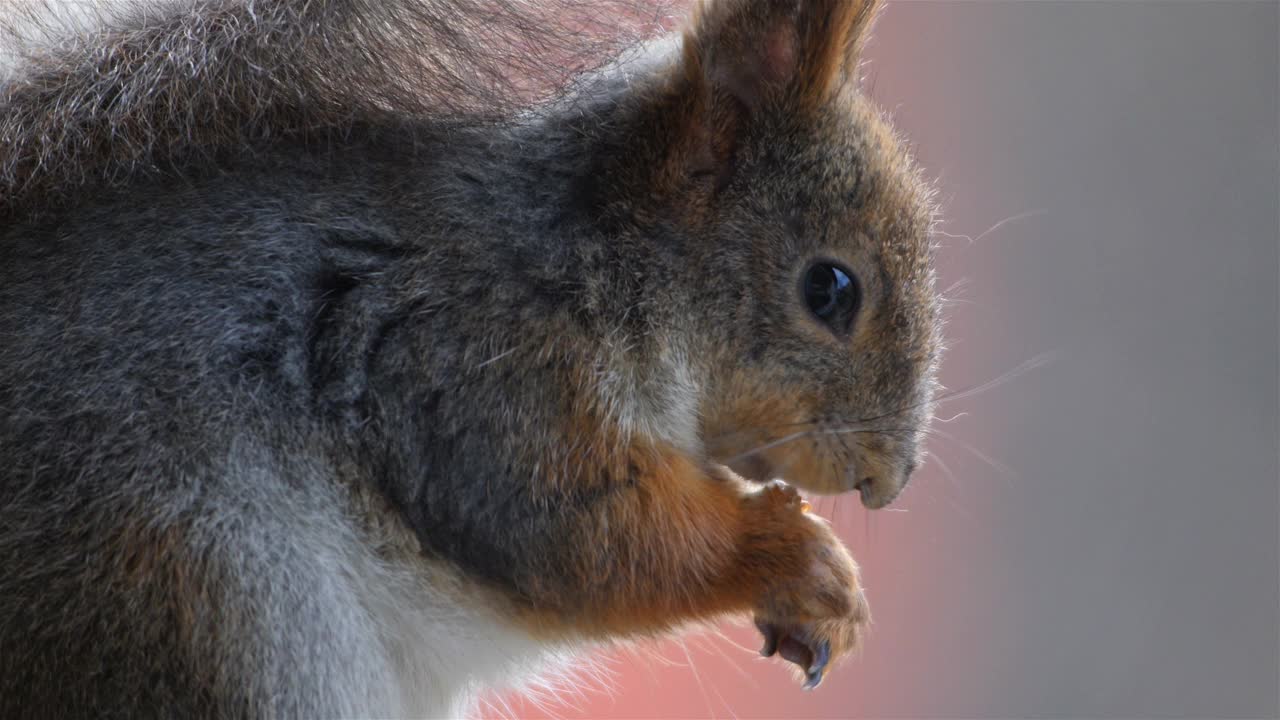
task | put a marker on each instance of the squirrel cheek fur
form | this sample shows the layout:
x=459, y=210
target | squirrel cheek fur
x=466, y=390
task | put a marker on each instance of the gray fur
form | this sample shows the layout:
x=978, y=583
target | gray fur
x=294, y=300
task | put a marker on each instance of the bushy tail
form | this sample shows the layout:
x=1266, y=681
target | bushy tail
x=146, y=88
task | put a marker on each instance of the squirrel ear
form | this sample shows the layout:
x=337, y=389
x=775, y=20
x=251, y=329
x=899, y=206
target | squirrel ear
x=740, y=59
x=794, y=52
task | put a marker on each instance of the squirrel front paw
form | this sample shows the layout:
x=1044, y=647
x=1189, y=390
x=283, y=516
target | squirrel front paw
x=817, y=612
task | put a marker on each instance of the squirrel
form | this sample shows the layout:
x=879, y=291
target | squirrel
x=340, y=379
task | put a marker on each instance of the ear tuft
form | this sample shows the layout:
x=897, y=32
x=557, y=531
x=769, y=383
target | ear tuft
x=759, y=51
x=741, y=60
x=834, y=32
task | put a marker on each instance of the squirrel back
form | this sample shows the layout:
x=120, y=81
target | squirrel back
x=344, y=376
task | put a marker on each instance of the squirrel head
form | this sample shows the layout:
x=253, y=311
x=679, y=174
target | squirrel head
x=814, y=319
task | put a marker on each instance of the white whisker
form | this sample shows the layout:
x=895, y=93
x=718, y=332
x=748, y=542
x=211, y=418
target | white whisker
x=1006, y=221
x=995, y=464
x=1036, y=362
x=973, y=239
x=497, y=357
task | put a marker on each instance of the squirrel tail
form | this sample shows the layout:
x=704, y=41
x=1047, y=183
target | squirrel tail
x=108, y=89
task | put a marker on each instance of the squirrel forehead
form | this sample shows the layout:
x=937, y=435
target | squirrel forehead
x=845, y=177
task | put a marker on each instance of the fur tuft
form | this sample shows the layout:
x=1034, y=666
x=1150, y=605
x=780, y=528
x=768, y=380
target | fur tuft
x=102, y=92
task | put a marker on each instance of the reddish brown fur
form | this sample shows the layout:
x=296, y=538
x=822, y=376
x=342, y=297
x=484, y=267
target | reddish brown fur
x=692, y=543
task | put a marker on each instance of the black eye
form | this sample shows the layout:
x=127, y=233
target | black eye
x=832, y=294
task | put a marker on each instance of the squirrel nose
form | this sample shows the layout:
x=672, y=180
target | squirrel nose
x=877, y=491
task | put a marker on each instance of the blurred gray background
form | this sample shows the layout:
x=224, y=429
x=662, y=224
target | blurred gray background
x=1137, y=542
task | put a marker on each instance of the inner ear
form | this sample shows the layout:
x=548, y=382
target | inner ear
x=758, y=69
x=794, y=51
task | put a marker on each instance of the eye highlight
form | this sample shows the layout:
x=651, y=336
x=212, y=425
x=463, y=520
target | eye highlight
x=832, y=294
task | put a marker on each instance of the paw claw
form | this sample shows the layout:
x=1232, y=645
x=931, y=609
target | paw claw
x=795, y=649
x=771, y=636
x=815, y=613
x=797, y=645
x=812, y=680
x=818, y=668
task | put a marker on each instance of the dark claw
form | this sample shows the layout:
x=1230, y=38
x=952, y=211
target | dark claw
x=798, y=648
x=821, y=656
x=771, y=636
x=794, y=648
